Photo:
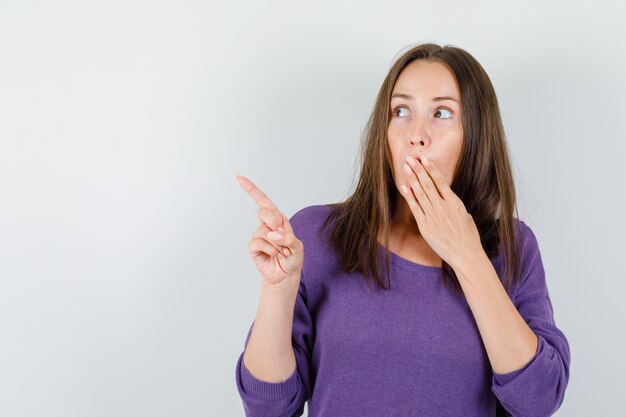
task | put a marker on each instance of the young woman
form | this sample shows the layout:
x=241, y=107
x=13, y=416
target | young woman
x=464, y=324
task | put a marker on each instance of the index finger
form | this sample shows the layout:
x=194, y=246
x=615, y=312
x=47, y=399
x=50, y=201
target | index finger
x=258, y=195
x=442, y=186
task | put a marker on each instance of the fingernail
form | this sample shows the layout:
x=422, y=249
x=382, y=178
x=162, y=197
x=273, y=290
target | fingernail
x=425, y=161
x=274, y=235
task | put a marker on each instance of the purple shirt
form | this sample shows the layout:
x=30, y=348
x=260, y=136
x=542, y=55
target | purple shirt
x=412, y=351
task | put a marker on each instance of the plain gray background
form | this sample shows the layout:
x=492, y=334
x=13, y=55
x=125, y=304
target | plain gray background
x=126, y=288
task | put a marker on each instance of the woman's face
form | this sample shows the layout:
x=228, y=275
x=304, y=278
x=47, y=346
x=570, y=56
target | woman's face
x=425, y=119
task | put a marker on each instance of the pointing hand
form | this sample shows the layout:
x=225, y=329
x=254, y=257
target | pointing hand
x=275, y=250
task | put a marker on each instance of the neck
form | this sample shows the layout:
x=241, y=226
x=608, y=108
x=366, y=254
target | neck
x=403, y=224
x=405, y=233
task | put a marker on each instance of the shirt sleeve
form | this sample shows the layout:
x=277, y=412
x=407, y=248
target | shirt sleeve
x=538, y=388
x=287, y=398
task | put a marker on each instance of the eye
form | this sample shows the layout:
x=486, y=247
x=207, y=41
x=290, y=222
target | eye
x=395, y=111
x=445, y=109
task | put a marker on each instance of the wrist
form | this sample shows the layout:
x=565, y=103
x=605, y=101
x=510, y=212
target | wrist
x=286, y=289
x=472, y=263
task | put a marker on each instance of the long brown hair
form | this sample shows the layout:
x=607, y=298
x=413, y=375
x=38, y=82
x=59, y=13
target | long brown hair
x=483, y=179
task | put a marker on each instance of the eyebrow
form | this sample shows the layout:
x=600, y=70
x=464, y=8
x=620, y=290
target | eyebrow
x=408, y=97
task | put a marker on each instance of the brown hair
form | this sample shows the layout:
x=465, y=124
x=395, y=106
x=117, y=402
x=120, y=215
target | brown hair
x=483, y=179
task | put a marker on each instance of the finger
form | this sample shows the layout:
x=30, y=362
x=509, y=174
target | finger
x=270, y=217
x=259, y=196
x=289, y=239
x=442, y=186
x=262, y=233
x=417, y=190
x=287, y=225
x=426, y=183
x=256, y=246
x=281, y=221
x=284, y=240
x=277, y=221
x=413, y=204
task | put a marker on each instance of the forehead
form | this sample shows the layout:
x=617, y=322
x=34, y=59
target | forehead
x=427, y=78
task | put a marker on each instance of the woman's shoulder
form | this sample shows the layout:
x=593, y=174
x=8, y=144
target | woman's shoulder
x=314, y=210
x=320, y=261
x=527, y=240
x=308, y=221
x=526, y=245
x=528, y=252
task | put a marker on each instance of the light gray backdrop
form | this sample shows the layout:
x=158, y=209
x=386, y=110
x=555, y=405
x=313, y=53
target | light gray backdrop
x=126, y=288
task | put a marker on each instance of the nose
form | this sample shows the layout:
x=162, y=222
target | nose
x=417, y=141
x=418, y=133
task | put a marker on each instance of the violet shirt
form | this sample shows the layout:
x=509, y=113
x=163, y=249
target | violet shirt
x=412, y=351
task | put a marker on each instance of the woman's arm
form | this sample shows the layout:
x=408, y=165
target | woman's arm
x=530, y=355
x=269, y=354
x=510, y=343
